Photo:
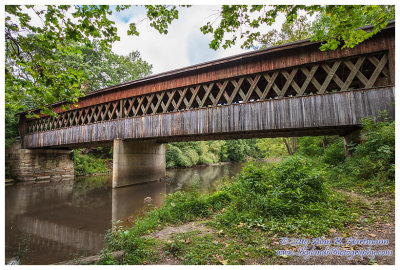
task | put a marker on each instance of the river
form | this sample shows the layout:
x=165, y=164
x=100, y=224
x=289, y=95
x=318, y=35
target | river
x=55, y=222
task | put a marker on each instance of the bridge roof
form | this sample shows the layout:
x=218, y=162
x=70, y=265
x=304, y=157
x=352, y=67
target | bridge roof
x=220, y=61
x=202, y=67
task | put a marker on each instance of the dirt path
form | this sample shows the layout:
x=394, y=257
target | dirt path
x=376, y=224
x=168, y=232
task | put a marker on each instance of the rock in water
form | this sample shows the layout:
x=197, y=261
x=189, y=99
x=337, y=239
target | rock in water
x=13, y=261
x=148, y=200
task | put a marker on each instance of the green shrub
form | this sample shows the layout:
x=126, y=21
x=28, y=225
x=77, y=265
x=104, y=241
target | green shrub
x=299, y=180
x=202, y=148
x=289, y=197
x=192, y=155
x=371, y=168
x=208, y=158
x=86, y=164
x=310, y=146
x=10, y=127
x=281, y=190
x=106, y=258
x=334, y=153
x=271, y=147
x=185, y=154
x=175, y=157
x=215, y=146
x=219, y=199
x=237, y=150
x=181, y=208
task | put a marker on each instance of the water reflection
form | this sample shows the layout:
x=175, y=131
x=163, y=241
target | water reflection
x=127, y=202
x=60, y=221
x=209, y=177
x=54, y=222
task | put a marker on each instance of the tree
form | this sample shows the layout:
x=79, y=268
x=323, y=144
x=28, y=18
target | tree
x=339, y=27
x=271, y=147
x=32, y=49
x=291, y=147
x=103, y=68
x=29, y=71
x=237, y=150
x=299, y=29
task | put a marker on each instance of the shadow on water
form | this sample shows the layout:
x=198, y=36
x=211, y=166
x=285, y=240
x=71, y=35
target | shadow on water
x=60, y=221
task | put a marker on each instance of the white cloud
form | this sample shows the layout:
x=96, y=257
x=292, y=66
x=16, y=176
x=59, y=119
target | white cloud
x=184, y=44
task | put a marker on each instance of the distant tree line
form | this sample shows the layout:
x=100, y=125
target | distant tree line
x=187, y=154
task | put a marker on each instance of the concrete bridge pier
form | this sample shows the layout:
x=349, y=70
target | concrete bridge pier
x=137, y=162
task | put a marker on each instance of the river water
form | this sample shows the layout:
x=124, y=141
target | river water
x=49, y=223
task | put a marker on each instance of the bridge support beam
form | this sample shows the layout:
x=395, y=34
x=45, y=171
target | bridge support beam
x=350, y=140
x=137, y=162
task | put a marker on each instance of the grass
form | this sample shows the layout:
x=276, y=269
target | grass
x=245, y=242
x=295, y=198
x=245, y=213
x=193, y=248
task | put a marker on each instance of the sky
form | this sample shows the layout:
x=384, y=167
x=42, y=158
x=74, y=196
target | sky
x=183, y=46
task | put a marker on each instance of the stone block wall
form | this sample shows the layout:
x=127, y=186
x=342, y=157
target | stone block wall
x=39, y=165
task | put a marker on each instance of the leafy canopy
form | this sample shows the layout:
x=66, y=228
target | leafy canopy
x=334, y=25
x=103, y=68
x=39, y=40
x=339, y=25
x=30, y=72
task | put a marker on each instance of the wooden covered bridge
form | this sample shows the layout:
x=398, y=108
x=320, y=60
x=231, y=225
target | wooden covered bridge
x=289, y=90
